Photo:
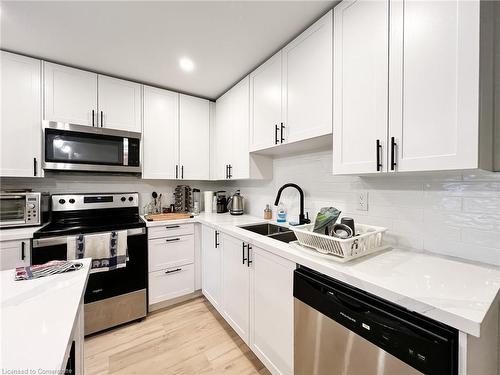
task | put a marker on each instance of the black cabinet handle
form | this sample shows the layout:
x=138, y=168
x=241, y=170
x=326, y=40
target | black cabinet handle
x=276, y=129
x=249, y=247
x=182, y=172
x=34, y=166
x=379, y=148
x=282, y=136
x=393, y=153
x=243, y=252
x=102, y=119
x=172, y=226
x=226, y=171
x=217, y=239
x=93, y=118
x=229, y=171
x=23, y=250
x=176, y=171
x=172, y=271
x=173, y=239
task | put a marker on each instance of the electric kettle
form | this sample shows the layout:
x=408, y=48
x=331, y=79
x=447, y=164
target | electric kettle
x=235, y=204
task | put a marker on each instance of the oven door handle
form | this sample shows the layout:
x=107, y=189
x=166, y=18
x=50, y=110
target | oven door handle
x=62, y=240
x=13, y=197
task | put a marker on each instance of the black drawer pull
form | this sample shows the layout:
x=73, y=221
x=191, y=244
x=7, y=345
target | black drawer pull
x=23, y=250
x=172, y=271
x=173, y=239
x=172, y=226
x=249, y=247
x=393, y=153
x=378, y=149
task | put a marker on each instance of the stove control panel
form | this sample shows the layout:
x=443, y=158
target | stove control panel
x=71, y=202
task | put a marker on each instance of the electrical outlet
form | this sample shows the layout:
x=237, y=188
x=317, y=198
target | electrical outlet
x=363, y=201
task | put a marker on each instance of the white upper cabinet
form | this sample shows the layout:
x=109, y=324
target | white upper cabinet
x=265, y=104
x=420, y=83
x=307, y=82
x=291, y=93
x=223, y=136
x=21, y=105
x=194, y=133
x=70, y=95
x=361, y=32
x=434, y=85
x=160, y=133
x=119, y=104
x=232, y=158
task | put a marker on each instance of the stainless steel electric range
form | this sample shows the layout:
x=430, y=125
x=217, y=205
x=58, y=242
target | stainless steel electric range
x=112, y=297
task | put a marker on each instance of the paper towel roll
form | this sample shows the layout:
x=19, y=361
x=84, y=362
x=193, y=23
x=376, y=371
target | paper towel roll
x=208, y=196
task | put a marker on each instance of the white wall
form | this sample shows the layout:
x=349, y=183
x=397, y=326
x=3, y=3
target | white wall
x=451, y=213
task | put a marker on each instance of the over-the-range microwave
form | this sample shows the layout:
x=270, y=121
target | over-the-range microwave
x=70, y=147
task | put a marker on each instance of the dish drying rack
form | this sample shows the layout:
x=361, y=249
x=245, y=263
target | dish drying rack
x=368, y=240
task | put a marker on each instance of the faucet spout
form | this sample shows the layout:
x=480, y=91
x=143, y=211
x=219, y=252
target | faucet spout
x=302, y=217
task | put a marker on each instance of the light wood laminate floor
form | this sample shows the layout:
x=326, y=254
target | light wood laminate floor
x=189, y=338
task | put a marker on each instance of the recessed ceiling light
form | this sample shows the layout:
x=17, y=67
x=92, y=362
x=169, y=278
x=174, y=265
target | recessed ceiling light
x=186, y=64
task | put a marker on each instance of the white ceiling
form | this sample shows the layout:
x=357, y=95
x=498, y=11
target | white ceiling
x=143, y=41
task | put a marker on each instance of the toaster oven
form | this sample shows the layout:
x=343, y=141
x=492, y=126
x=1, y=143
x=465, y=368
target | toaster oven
x=23, y=208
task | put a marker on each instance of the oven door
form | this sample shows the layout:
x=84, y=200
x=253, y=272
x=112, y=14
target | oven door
x=86, y=148
x=12, y=210
x=102, y=285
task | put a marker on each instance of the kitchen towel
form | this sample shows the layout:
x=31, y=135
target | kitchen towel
x=107, y=250
x=50, y=268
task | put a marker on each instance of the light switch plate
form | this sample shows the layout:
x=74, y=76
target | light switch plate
x=363, y=201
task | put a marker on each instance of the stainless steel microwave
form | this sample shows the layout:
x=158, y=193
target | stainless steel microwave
x=23, y=208
x=69, y=147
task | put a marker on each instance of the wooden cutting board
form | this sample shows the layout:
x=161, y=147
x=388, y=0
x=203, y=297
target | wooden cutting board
x=170, y=216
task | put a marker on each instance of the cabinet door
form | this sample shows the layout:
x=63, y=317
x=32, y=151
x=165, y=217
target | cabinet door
x=21, y=116
x=14, y=254
x=160, y=133
x=271, y=310
x=223, y=145
x=265, y=103
x=194, y=134
x=434, y=84
x=360, y=53
x=236, y=286
x=119, y=104
x=211, y=261
x=70, y=95
x=307, y=82
x=240, y=119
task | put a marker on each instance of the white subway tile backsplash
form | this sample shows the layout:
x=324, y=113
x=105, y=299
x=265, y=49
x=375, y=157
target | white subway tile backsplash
x=449, y=212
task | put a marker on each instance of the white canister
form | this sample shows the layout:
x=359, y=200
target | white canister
x=207, y=200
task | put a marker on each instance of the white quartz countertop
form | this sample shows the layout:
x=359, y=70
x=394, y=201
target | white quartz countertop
x=37, y=319
x=454, y=292
x=12, y=234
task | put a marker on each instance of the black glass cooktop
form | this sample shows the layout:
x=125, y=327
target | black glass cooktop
x=90, y=221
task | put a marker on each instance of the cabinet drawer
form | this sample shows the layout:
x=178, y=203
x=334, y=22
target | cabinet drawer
x=169, y=230
x=170, y=252
x=171, y=283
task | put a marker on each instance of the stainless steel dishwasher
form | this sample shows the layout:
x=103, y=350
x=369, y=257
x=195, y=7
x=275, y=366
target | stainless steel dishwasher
x=342, y=330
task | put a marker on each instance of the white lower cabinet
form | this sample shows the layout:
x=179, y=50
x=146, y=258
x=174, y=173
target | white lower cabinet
x=253, y=290
x=15, y=254
x=171, y=283
x=236, y=285
x=271, y=310
x=170, y=262
x=211, y=261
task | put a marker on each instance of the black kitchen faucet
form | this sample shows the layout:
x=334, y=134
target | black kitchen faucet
x=302, y=218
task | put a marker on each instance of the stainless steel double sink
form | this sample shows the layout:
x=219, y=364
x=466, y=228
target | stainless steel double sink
x=273, y=231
